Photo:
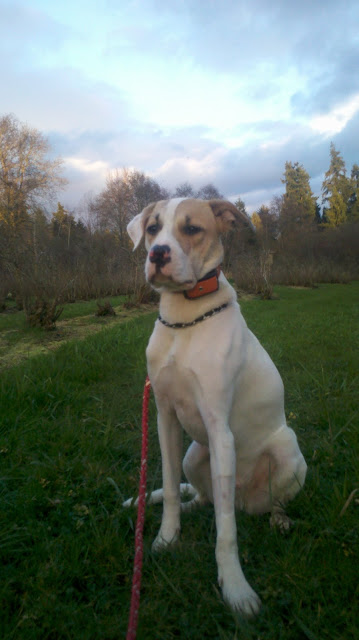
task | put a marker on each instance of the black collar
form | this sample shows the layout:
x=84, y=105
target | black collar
x=184, y=325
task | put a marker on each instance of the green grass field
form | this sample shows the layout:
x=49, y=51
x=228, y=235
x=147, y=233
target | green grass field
x=70, y=451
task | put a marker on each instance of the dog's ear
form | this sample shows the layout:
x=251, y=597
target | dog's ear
x=136, y=228
x=228, y=216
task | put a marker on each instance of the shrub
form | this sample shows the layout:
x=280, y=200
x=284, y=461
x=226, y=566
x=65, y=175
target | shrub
x=42, y=313
x=105, y=309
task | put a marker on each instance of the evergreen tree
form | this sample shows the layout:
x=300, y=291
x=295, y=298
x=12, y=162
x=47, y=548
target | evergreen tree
x=337, y=212
x=63, y=223
x=240, y=205
x=353, y=206
x=318, y=217
x=336, y=189
x=298, y=206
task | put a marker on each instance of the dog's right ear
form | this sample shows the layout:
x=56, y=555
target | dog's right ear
x=228, y=216
x=136, y=228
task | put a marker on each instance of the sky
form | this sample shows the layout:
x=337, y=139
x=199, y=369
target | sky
x=199, y=91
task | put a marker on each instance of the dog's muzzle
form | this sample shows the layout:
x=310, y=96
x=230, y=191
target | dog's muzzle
x=160, y=255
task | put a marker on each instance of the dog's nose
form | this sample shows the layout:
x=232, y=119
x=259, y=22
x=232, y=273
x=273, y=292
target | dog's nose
x=160, y=254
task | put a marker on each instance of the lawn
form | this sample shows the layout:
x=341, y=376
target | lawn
x=18, y=341
x=69, y=453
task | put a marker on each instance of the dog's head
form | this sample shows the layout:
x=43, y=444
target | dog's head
x=182, y=238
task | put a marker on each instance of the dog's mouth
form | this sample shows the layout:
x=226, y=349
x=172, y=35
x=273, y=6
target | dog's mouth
x=160, y=279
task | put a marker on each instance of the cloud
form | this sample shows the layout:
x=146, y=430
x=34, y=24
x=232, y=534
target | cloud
x=237, y=36
x=83, y=165
x=347, y=142
x=199, y=168
x=61, y=100
x=187, y=91
x=336, y=120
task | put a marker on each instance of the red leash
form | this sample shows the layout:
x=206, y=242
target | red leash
x=137, y=569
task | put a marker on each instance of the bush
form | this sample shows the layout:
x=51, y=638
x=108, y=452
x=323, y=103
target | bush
x=42, y=313
x=105, y=309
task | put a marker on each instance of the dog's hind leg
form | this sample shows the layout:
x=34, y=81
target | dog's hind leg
x=288, y=478
x=196, y=467
x=156, y=496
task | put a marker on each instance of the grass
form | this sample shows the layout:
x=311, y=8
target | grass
x=19, y=341
x=71, y=420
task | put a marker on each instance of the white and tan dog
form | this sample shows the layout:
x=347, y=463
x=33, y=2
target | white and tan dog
x=211, y=377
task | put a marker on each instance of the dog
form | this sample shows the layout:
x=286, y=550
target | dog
x=212, y=378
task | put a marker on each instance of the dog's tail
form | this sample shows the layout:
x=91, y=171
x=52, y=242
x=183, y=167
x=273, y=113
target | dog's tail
x=156, y=497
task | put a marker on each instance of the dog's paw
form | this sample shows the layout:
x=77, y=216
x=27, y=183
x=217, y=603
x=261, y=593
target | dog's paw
x=281, y=521
x=242, y=599
x=130, y=502
x=237, y=593
x=165, y=540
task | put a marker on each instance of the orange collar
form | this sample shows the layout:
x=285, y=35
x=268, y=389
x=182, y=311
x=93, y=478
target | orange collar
x=207, y=284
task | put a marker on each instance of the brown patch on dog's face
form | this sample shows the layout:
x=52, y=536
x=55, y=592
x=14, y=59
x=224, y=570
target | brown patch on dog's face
x=153, y=226
x=195, y=229
x=228, y=216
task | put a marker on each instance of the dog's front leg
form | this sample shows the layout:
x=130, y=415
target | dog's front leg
x=170, y=437
x=235, y=588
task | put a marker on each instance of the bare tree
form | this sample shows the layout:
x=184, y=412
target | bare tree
x=28, y=178
x=208, y=192
x=144, y=190
x=184, y=190
x=126, y=194
x=27, y=175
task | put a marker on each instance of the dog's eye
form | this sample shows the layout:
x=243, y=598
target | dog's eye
x=152, y=229
x=191, y=229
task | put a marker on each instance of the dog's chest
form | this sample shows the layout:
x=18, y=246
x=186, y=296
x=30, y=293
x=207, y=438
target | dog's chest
x=175, y=385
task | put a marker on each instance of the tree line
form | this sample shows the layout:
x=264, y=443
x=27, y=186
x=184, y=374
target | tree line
x=86, y=252
x=298, y=206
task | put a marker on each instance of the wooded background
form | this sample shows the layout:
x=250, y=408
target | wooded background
x=50, y=255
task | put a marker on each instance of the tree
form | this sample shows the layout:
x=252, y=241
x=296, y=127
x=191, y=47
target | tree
x=298, y=205
x=257, y=222
x=266, y=222
x=336, y=189
x=63, y=223
x=126, y=194
x=336, y=214
x=184, y=190
x=318, y=217
x=208, y=192
x=143, y=191
x=353, y=204
x=239, y=203
x=27, y=175
x=40, y=231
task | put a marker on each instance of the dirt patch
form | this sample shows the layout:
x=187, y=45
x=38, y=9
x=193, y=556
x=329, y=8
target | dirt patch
x=17, y=345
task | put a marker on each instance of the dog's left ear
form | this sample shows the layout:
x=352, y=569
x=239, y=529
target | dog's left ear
x=136, y=228
x=228, y=216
